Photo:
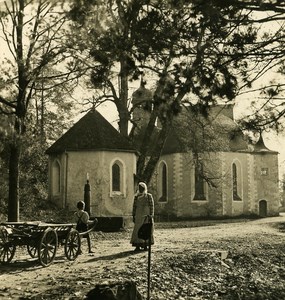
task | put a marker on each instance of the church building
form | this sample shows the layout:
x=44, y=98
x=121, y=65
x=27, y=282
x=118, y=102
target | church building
x=209, y=168
x=93, y=150
x=240, y=181
x=231, y=178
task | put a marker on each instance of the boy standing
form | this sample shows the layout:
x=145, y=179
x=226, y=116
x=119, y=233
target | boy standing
x=82, y=219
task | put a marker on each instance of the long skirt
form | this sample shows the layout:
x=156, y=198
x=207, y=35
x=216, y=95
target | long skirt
x=140, y=217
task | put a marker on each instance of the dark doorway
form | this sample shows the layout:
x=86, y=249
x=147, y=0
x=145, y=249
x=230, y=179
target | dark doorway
x=263, y=208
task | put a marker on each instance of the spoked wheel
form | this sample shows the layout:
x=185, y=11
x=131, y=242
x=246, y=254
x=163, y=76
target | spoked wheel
x=72, y=244
x=47, y=247
x=33, y=249
x=7, y=248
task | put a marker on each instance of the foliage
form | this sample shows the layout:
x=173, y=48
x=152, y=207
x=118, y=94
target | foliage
x=267, y=112
x=51, y=112
x=195, y=52
x=33, y=177
x=35, y=63
x=3, y=192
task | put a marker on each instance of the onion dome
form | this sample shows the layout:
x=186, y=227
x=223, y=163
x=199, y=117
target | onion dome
x=142, y=95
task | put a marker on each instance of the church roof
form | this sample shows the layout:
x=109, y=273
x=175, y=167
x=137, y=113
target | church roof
x=259, y=146
x=91, y=132
x=218, y=130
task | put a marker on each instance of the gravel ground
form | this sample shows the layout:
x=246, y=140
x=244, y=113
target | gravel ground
x=234, y=259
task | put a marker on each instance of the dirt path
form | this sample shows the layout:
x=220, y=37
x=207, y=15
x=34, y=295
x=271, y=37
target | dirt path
x=114, y=259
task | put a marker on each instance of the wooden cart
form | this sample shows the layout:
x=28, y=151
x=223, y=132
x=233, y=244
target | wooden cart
x=41, y=239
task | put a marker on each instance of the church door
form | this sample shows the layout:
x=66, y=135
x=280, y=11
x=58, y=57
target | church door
x=262, y=208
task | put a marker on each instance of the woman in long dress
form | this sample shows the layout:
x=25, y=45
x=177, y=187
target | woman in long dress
x=143, y=206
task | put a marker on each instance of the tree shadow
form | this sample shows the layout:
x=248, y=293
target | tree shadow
x=116, y=255
x=27, y=265
x=31, y=264
x=18, y=266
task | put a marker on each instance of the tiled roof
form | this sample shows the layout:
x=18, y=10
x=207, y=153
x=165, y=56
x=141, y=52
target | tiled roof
x=91, y=132
x=218, y=128
x=173, y=143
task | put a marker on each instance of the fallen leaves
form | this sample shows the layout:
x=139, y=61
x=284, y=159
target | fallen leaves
x=244, y=266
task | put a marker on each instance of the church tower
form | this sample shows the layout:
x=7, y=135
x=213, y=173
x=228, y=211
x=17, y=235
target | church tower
x=142, y=105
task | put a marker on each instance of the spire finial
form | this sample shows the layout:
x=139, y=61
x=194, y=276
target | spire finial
x=93, y=103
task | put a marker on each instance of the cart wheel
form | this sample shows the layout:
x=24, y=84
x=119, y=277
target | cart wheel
x=47, y=247
x=7, y=248
x=72, y=244
x=33, y=249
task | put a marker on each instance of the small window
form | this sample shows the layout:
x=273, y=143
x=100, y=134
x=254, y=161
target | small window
x=236, y=183
x=116, y=178
x=56, y=178
x=264, y=171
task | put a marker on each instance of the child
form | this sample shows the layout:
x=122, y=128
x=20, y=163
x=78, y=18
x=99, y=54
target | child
x=82, y=218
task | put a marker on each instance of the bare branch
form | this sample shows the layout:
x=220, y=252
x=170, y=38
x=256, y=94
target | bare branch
x=2, y=100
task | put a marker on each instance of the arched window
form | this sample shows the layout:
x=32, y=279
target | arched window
x=199, y=183
x=56, y=178
x=163, y=182
x=116, y=178
x=236, y=182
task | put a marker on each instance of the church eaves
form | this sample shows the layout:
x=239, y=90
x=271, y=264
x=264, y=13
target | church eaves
x=91, y=133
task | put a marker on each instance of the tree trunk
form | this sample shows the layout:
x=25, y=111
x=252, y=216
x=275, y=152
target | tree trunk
x=122, y=105
x=13, y=200
x=155, y=155
x=42, y=125
x=124, y=119
x=146, y=144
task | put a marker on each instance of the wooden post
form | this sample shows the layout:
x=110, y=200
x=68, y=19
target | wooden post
x=87, y=196
x=149, y=261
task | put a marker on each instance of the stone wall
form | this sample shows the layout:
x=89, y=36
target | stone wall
x=253, y=187
x=76, y=167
